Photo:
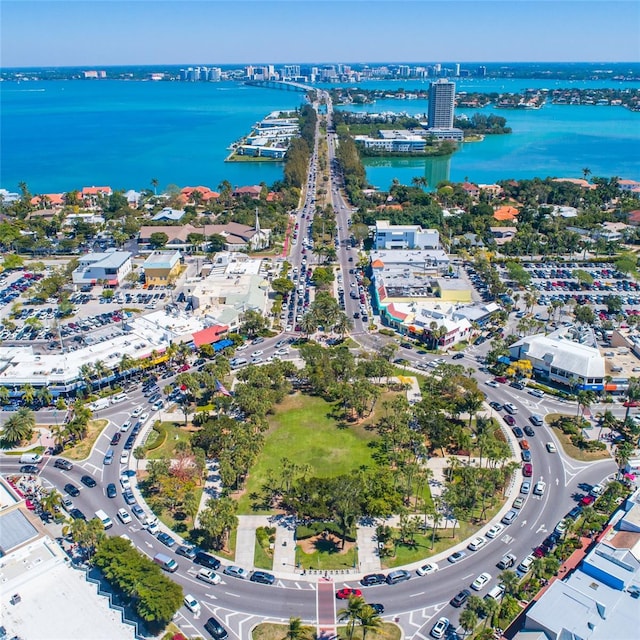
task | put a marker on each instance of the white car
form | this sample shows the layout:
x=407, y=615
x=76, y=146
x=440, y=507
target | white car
x=476, y=543
x=152, y=527
x=481, y=581
x=143, y=416
x=125, y=426
x=551, y=448
x=192, y=604
x=525, y=565
x=124, y=457
x=124, y=483
x=426, y=569
x=561, y=527
x=123, y=516
x=257, y=353
x=495, y=531
x=492, y=383
x=136, y=412
x=440, y=628
x=539, y=488
x=209, y=576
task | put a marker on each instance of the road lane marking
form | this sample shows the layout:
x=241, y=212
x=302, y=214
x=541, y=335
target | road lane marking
x=235, y=595
x=415, y=595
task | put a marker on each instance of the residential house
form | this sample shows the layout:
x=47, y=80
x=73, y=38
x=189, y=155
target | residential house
x=169, y=215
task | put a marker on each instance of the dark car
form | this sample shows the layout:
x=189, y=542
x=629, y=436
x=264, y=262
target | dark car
x=88, y=481
x=529, y=431
x=76, y=514
x=262, y=577
x=29, y=468
x=61, y=463
x=111, y=490
x=496, y=405
x=116, y=438
x=510, y=420
x=206, y=560
x=527, y=470
x=461, y=598
x=517, y=385
x=526, y=455
x=373, y=578
x=128, y=496
x=377, y=607
x=129, y=443
x=166, y=539
x=518, y=432
x=458, y=356
x=215, y=629
x=186, y=552
x=72, y=490
x=574, y=514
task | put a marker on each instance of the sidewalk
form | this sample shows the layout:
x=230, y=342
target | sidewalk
x=212, y=487
x=284, y=552
x=246, y=538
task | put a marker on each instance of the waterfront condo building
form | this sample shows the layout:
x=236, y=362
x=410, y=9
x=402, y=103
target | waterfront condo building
x=442, y=95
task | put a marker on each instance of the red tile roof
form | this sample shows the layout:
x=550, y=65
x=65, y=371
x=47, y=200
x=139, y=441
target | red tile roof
x=505, y=213
x=209, y=335
x=94, y=191
x=53, y=198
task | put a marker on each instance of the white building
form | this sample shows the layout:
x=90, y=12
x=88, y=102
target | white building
x=405, y=236
x=110, y=267
x=560, y=358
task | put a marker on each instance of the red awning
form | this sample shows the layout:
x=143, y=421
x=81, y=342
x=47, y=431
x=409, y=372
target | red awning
x=113, y=283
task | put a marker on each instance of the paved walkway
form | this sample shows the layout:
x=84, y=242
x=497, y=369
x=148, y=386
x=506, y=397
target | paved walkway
x=367, y=541
x=284, y=553
x=212, y=489
x=246, y=538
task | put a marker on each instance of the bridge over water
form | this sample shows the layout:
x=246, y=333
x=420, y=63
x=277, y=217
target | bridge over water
x=282, y=85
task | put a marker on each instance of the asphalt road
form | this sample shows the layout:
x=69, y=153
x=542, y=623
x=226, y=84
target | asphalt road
x=414, y=603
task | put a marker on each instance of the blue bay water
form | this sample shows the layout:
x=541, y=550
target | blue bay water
x=62, y=135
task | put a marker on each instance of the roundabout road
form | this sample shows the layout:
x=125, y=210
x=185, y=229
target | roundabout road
x=240, y=604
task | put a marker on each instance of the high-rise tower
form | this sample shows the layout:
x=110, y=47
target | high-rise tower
x=441, y=101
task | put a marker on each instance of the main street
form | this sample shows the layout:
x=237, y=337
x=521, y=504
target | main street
x=240, y=604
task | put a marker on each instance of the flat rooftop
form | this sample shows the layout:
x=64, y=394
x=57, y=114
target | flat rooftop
x=57, y=602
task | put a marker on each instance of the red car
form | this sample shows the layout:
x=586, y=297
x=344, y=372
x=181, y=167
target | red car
x=346, y=593
x=184, y=367
x=587, y=500
x=527, y=470
x=510, y=420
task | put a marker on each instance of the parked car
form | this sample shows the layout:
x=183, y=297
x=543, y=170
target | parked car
x=439, y=628
x=72, y=490
x=527, y=470
x=399, y=575
x=477, y=543
x=457, y=557
x=495, y=531
x=61, y=463
x=262, y=577
x=481, y=581
x=373, y=579
x=166, y=539
x=186, y=552
x=236, y=572
x=459, y=599
x=426, y=569
x=206, y=560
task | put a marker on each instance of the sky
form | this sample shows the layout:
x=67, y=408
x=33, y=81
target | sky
x=148, y=32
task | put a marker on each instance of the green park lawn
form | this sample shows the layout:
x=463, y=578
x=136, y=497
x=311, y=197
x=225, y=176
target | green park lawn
x=304, y=431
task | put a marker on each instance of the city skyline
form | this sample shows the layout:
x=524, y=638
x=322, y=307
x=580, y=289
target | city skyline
x=175, y=33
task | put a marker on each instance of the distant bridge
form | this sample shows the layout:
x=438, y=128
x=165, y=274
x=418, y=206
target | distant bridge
x=283, y=85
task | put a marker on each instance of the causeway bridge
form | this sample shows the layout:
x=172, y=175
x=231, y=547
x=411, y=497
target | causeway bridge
x=283, y=85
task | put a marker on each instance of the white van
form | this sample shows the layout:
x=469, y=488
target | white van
x=119, y=397
x=496, y=592
x=104, y=518
x=30, y=458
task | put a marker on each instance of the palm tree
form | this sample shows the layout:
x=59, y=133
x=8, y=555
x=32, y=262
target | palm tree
x=468, y=620
x=342, y=325
x=4, y=395
x=351, y=614
x=50, y=501
x=154, y=184
x=43, y=396
x=369, y=620
x=510, y=581
x=28, y=393
x=100, y=370
x=586, y=172
x=15, y=431
x=623, y=453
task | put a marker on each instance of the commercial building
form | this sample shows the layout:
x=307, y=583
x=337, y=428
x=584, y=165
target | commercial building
x=110, y=268
x=161, y=267
x=566, y=356
x=235, y=285
x=405, y=236
x=394, y=142
x=599, y=599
